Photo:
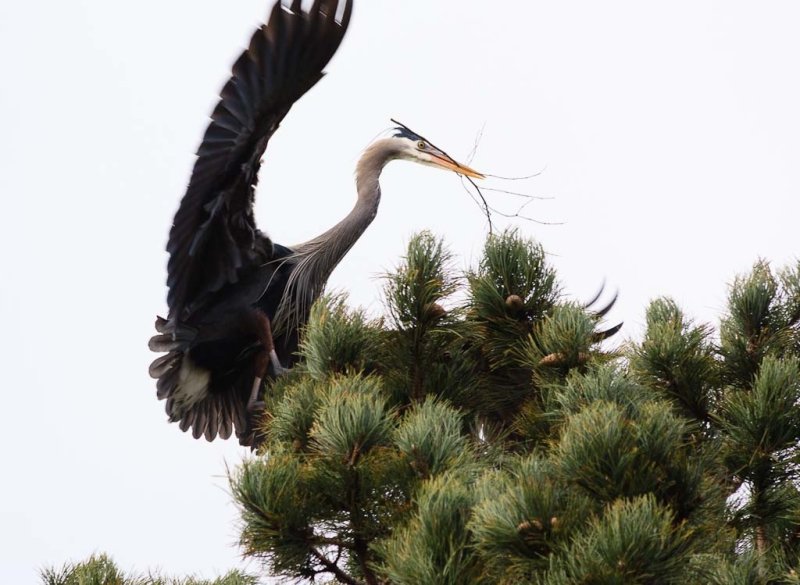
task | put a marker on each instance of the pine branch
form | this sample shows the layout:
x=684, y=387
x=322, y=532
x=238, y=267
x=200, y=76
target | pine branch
x=334, y=569
x=360, y=544
x=337, y=542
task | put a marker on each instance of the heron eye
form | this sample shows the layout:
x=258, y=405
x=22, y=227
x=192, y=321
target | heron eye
x=421, y=145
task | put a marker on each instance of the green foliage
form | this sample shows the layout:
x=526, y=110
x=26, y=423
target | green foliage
x=526, y=337
x=512, y=266
x=677, y=358
x=434, y=546
x=292, y=416
x=758, y=416
x=98, y=570
x=761, y=430
x=415, y=288
x=352, y=420
x=762, y=321
x=603, y=383
x=332, y=480
x=423, y=351
x=634, y=541
x=511, y=291
x=525, y=515
x=101, y=570
x=612, y=454
x=566, y=332
x=277, y=508
x=430, y=437
x=338, y=340
x=761, y=424
x=498, y=440
x=747, y=568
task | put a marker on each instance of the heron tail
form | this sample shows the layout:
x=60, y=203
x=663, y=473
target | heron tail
x=194, y=398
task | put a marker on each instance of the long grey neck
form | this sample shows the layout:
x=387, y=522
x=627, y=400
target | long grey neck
x=315, y=260
x=333, y=244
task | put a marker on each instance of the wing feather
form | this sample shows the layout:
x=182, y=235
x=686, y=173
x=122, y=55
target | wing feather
x=212, y=425
x=214, y=237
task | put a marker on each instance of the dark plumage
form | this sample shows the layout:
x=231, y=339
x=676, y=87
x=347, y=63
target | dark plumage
x=403, y=132
x=226, y=278
x=237, y=300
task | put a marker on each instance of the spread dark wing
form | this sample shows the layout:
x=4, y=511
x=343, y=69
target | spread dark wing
x=214, y=236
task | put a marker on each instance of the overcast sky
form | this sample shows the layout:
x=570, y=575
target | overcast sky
x=669, y=135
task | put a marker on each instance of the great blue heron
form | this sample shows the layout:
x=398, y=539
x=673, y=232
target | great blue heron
x=237, y=299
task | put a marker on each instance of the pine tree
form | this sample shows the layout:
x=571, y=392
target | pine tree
x=102, y=570
x=499, y=440
x=758, y=414
x=486, y=431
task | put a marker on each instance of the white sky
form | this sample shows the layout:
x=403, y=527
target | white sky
x=670, y=133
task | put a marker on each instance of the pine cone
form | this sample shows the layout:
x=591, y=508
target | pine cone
x=515, y=303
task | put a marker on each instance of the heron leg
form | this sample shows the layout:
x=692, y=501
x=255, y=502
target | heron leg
x=254, y=402
x=265, y=334
x=262, y=363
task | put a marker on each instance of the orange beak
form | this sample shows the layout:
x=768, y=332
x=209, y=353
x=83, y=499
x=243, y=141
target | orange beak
x=452, y=165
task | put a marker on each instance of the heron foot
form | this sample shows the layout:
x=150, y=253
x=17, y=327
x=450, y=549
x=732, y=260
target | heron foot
x=256, y=407
x=277, y=367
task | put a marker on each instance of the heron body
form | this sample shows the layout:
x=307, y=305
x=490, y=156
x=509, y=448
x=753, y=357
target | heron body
x=237, y=300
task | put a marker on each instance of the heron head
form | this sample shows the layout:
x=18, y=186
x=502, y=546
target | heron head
x=411, y=146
